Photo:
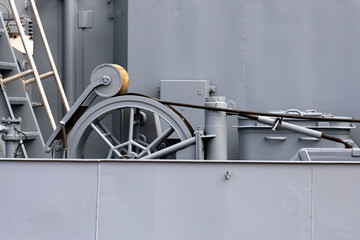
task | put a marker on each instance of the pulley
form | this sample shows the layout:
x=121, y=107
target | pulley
x=115, y=78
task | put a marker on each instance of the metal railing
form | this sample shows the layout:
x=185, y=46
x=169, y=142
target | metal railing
x=36, y=76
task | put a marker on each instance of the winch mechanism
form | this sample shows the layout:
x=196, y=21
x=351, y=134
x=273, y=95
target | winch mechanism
x=125, y=126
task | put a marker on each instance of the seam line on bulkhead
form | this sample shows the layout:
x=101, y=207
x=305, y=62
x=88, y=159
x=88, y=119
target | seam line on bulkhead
x=244, y=58
x=97, y=200
x=312, y=202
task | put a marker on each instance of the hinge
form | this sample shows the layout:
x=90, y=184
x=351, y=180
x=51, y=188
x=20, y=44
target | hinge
x=86, y=19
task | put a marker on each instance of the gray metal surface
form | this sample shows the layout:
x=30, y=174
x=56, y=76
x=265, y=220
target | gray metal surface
x=196, y=92
x=264, y=55
x=48, y=200
x=327, y=154
x=178, y=200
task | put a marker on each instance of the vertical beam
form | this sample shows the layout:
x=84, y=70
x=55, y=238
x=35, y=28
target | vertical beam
x=70, y=13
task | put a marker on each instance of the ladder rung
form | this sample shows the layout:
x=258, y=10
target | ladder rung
x=7, y=65
x=17, y=100
x=17, y=76
x=42, y=76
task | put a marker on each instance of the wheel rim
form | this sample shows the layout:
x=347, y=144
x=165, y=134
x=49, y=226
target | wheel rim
x=169, y=127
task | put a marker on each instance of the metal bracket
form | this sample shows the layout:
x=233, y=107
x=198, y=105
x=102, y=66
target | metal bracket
x=64, y=137
x=278, y=120
x=86, y=19
x=200, y=149
x=1, y=83
x=231, y=104
x=350, y=143
x=199, y=145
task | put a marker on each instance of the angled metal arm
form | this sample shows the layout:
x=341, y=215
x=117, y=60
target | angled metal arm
x=86, y=97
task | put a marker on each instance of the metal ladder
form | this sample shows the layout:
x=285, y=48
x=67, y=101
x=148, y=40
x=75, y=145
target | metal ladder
x=13, y=86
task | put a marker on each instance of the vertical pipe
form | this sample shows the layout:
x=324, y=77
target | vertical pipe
x=70, y=13
x=215, y=124
x=11, y=147
x=11, y=139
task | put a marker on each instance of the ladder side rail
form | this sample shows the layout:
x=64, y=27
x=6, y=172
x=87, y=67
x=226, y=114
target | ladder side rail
x=49, y=55
x=32, y=64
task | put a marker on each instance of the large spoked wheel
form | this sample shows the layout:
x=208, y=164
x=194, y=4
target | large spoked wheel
x=129, y=126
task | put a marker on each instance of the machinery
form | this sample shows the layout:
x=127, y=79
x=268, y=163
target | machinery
x=175, y=131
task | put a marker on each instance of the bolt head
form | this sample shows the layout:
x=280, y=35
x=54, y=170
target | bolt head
x=227, y=175
x=106, y=79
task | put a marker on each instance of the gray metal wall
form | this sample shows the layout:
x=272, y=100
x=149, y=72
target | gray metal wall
x=179, y=200
x=265, y=55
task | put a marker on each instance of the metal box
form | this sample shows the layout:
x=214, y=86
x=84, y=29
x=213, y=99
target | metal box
x=258, y=142
x=187, y=91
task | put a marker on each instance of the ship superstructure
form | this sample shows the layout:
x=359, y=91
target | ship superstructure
x=149, y=119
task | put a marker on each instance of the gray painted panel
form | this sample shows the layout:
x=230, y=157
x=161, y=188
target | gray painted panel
x=335, y=189
x=188, y=40
x=302, y=54
x=194, y=201
x=47, y=200
x=179, y=200
x=265, y=55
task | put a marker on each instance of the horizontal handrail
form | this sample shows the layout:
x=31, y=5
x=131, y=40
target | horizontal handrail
x=17, y=76
x=42, y=76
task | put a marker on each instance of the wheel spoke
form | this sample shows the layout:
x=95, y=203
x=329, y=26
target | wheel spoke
x=107, y=133
x=171, y=149
x=97, y=130
x=138, y=145
x=157, y=141
x=110, y=154
x=121, y=145
x=131, y=129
